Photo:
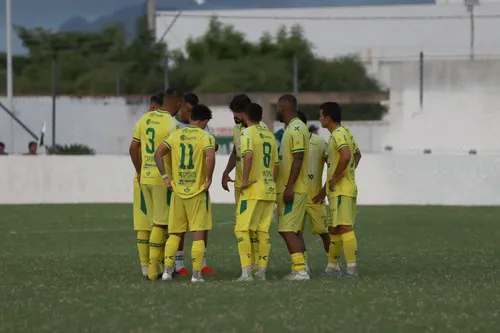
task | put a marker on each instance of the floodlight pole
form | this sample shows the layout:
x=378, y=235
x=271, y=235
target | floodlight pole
x=471, y=4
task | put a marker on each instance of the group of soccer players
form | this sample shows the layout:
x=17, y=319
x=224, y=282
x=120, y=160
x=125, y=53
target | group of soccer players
x=173, y=153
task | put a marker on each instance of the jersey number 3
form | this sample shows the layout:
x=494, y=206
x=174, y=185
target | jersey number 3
x=183, y=156
x=150, y=145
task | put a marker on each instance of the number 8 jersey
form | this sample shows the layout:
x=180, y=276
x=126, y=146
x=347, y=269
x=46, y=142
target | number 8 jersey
x=150, y=131
x=187, y=148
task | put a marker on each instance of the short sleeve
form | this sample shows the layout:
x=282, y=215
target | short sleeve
x=354, y=145
x=246, y=143
x=263, y=125
x=298, y=139
x=168, y=141
x=208, y=141
x=340, y=138
x=137, y=131
x=324, y=149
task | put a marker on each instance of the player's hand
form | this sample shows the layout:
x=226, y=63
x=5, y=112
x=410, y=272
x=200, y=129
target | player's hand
x=168, y=184
x=288, y=195
x=208, y=182
x=247, y=184
x=331, y=184
x=139, y=179
x=226, y=179
x=320, y=197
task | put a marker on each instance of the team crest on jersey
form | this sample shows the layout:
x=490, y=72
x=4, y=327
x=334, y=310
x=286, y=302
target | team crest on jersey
x=187, y=190
x=181, y=182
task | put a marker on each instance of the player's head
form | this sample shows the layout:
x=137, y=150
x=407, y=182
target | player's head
x=2, y=147
x=330, y=114
x=32, y=146
x=302, y=116
x=188, y=101
x=172, y=100
x=200, y=115
x=314, y=129
x=252, y=114
x=238, y=105
x=287, y=108
x=156, y=101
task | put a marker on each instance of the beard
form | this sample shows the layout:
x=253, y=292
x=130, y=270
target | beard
x=237, y=121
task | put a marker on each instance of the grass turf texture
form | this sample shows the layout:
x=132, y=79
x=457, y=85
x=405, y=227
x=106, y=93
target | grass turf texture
x=75, y=268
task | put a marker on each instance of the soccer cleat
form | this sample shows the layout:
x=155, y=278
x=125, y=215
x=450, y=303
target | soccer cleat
x=197, y=280
x=245, y=279
x=352, y=272
x=182, y=271
x=166, y=277
x=297, y=276
x=332, y=272
x=207, y=270
x=144, y=270
x=260, y=278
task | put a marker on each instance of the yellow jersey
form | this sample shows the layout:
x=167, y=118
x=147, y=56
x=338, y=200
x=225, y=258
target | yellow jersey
x=262, y=144
x=187, y=149
x=150, y=131
x=342, y=137
x=317, y=158
x=295, y=140
x=238, y=129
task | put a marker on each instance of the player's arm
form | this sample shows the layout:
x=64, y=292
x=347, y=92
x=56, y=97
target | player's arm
x=162, y=150
x=210, y=158
x=357, y=154
x=344, y=159
x=231, y=163
x=216, y=145
x=247, y=154
x=135, y=150
x=275, y=162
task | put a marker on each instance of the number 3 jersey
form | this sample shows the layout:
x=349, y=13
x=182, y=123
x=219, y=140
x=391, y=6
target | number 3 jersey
x=187, y=149
x=262, y=144
x=150, y=131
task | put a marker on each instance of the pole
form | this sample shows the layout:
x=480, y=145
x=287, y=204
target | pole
x=421, y=79
x=151, y=13
x=165, y=72
x=295, y=75
x=472, y=32
x=54, y=92
x=10, y=89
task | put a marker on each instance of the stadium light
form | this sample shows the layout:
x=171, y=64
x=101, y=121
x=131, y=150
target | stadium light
x=470, y=5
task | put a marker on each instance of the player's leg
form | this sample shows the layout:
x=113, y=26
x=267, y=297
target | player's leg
x=197, y=211
x=205, y=269
x=335, y=250
x=245, y=211
x=289, y=223
x=160, y=221
x=345, y=222
x=142, y=226
x=262, y=223
x=177, y=228
x=179, y=258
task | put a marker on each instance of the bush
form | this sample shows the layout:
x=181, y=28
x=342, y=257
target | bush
x=72, y=149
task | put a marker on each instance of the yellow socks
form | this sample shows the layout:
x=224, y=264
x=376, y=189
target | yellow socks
x=298, y=262
x=156, y=243
x=244, y=248
x=197, y=254
x=350, y=248
x=143, y=246
x=264, y=249
x=171, y=249
x=335, y=250
x=254, y=240
x=161, y=261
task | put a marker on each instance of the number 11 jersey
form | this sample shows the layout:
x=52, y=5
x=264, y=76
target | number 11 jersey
x=150, y=131
x=187, y=148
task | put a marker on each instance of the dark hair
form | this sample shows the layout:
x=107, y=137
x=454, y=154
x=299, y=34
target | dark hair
x=290, y=99
x=254, y=111
x=239, y=103
x=173, y=92
x=2, y=144
x=190, y=98
x=302, y=116
x=157, y=98
x=32, y=143
x=201, y=112
x=332, y=110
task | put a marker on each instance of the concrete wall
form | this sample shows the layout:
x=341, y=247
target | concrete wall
x=382, y=179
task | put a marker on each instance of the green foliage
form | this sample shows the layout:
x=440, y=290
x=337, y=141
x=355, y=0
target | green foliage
x=72, y=149
x=222, y=60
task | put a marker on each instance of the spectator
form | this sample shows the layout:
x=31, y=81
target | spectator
x=32, y=148
x=314, y=129
x=2, y=149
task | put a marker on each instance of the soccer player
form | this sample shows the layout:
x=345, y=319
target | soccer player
x=343, y=158
x=172, y=101
x=237, y=106
x=315, y=207
x=141, y=222
x=257, y=191
x=150, y=131
x=292, y=183
x=193, y=162
x=182, y=117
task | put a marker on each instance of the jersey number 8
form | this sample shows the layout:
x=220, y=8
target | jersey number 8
x=266, y=149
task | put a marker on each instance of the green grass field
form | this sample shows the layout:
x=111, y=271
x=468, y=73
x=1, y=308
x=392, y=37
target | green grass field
x=74, y=268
